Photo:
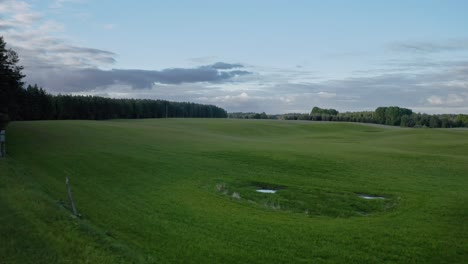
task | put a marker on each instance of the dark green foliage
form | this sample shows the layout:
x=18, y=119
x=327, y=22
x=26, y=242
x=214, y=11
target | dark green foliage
x=10, y=84
x=462, y=120
x=250, y=115
x=379, y=115
x=363, y=117
x=391, y=115
x=321, y=111
x=4, y=118
x=319, y=114
x=293, y=116
x=406, y=121
x=36, y=104
x=434, y=122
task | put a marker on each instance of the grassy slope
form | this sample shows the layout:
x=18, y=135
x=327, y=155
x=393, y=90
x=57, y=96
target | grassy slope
x=146, y=189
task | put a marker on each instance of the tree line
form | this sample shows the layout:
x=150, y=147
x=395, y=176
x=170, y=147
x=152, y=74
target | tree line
x=250, y=115
x=392, y=115
x=34, y=103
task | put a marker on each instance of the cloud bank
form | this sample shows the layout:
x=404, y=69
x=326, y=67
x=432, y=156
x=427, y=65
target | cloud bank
x=428, y=83
x=85, y=79
x=60, y=66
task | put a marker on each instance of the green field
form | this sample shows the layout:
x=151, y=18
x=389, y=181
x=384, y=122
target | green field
x=183, y=191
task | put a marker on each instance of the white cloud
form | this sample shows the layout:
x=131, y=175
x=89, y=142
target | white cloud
x=13, y=6
x=435, y=100
x=289, y=99
x=463, y=84
x=15, y=14
x=232, y=99
x=38, y=43
x=449, y=100
x=326, y=95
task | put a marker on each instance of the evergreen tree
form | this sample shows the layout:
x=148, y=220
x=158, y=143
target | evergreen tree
x=10, y=84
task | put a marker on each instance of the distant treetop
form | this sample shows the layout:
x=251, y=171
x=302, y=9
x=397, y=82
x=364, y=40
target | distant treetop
x=320, y=111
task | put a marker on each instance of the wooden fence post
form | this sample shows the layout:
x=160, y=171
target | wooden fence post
x=70, y=197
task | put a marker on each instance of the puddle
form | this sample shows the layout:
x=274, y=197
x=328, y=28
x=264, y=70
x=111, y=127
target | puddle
x=369, y=197
x=266, y=191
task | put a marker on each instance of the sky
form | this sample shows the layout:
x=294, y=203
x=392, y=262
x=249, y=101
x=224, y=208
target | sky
x=261, y=56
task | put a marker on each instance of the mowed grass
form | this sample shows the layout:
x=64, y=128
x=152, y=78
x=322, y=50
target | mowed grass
x=161, y=191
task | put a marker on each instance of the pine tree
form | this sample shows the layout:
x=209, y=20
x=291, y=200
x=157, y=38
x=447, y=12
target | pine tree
x=10, y=84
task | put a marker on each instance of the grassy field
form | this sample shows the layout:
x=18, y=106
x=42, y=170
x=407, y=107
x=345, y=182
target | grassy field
x=183, y=191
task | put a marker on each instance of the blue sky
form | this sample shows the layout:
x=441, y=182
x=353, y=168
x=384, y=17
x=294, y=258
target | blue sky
x=278, y=56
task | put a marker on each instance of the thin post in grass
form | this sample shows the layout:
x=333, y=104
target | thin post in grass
x=70, y=197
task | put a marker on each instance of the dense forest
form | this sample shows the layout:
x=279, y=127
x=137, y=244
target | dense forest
x=250, y=115
x=392, y=115
x=34, y=103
